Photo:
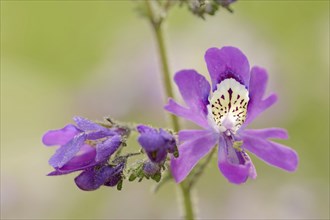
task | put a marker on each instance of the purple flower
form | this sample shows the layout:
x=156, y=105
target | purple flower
x=93, y=178
x=156, y=143
x=87, y=146
x=235, y=101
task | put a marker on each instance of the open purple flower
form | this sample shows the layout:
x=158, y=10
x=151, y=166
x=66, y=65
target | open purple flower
x=156, y=143
x=87, y=146
x=235, y=101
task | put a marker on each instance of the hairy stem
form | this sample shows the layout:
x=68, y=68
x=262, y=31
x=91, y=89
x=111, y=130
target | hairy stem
x=200, y=168
x=157, y=28
x=166, y=76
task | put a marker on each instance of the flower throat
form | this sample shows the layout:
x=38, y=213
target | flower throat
x=228, y=106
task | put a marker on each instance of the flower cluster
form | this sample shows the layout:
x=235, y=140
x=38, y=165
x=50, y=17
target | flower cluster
x=235, y=100
x=90, y=147
x=157, y=144
x=223, y=110
x=86, y=147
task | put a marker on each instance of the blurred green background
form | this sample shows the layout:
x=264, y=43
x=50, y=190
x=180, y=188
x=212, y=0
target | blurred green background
x=97, y=58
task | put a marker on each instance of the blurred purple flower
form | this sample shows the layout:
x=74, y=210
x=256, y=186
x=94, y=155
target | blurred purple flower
x=87, y=146
x=236, y=100
x=156, y=143
x=93, y=178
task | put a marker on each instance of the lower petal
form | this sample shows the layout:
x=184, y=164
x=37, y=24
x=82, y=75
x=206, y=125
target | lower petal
x=92, y=179
x=273, y=153
x=66, y=152
x=279, y=133
x=236, y=171
x=191, y=151
x=83, y=160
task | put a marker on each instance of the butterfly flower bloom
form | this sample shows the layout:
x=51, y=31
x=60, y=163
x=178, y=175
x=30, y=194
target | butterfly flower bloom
x=224, y=112
x=156, y=144
x=88, y=147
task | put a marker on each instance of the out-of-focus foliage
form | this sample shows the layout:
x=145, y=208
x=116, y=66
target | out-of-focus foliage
x=97, y=58
x=206, y=7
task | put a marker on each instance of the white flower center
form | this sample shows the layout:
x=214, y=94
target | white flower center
x=228, y=106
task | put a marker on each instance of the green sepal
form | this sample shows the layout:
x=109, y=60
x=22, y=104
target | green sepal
x=157, y=177
x=120, y=185
x=132, y=177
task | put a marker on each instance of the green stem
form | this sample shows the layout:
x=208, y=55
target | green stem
x=157, y=27
x=165, y=72
x=187, y=201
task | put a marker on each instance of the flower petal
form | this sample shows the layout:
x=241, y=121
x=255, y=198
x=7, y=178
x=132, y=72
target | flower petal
x=87, y=125
x=66, y=152
x=266, y=133
x=190, y=153
x=93, y=179
x=83, y=160
x=180, y=111
x=273, y=153
x=145, y=129
x=107, y=148
x=151, y=141
x=195, y=90
x=257, y=88
x=188, y=135
x=227, y=62
x=235, y=165
x=98, y=134
x=116, y=176
x=60, y=136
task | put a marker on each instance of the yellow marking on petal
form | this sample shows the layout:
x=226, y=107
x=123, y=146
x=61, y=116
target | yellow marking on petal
x=237, y=145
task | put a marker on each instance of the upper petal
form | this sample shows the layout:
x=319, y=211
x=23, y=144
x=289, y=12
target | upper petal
x=235, y=165
x=107, y=148
x=87, y=125
x=194, y=89
x=257, y=88
x=191, y=151
x=60, y=136
x=66, y=152
x=98, y=134
x=273, y=153
x=188, y=114
x=151, y=141
x=145, y=129
x=227, y=62
x=188, y=135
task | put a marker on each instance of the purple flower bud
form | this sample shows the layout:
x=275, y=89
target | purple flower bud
x=156, y=143
x=150, y=168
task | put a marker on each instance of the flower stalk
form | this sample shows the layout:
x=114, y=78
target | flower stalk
x=166, y=76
